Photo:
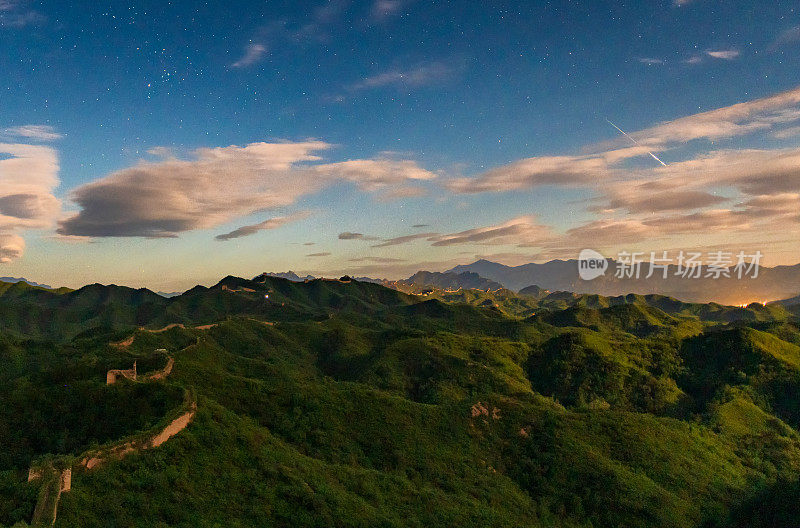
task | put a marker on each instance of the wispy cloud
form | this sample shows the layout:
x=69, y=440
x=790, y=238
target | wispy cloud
x=322, y=254
x=272, y=223
x=375, y=174
x=383, y=9
x=653, y=195
x=786, y=37
x=397, y=241
x=719, y=192
x=33, y=132
x=322, y=18
x=603, y=167
x=17, y=14
x=315, y=28
x=523, y=231
x=650, y=61
x=347, y=235
x=420, y=75
x=787, y=133
x=533, y=172
x=217, y=185
x=378, y=260
x=728, y=54
x=735, y=120
x=253, y=53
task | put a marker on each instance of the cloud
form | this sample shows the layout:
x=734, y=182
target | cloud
x=729, y=54
x=15, y=14
x=397, y=241
x=641, y=198
x=523, y=231
x=383, y=9
x=162, y=152
x=602, y=233
x=253, y=54
x=420, y=75
x=11, y=247
x=777, y=205
x=692, y=184
x=217, y=185
x=323, y=254
x=418, y=226
x=316, y=28
x=533, y=172
x=680, y=3
x=28, y=177
x=378, y=260
x=694, y=59
x=688, y=197
x=347, y=235
x=272, y=223
x=35, y=132
x=751, y=171
x=787, y=133
x=650, y=61
x=373, y=175
x=787, y=36
x=702, y=221
x=171, y=196
x=29, y=206
x=735, y=120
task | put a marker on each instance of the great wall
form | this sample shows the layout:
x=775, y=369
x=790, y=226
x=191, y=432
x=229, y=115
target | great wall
x=56, y=476
x=93, y=459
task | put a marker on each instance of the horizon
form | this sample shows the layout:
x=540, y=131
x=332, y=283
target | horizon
x=743, y=300
x=315, y=138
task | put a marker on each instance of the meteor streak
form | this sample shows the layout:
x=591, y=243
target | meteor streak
x=635, y=142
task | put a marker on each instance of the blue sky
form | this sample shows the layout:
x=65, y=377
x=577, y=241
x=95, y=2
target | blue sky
x=387, y=114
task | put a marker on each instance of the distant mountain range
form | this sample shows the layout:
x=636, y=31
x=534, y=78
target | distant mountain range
x=451, y=281
x=169, y=295
x=780, y=284
x=288, y=275
x=772, y=284
x=20, y=279
x=793, y=301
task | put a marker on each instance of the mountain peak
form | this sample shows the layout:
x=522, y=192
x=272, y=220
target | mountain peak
x=22, y=279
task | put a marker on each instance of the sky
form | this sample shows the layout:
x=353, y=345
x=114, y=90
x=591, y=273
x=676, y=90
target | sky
x=165, y=144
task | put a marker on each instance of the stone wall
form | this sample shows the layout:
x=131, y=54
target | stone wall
x=112, y=375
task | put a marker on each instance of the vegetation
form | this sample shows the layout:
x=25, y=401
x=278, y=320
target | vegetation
x=358, y=405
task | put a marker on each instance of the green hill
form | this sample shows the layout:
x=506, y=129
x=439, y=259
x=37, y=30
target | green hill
x=330, y=403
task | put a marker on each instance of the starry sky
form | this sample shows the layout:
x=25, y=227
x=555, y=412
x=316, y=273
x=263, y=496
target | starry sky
x=165, y=144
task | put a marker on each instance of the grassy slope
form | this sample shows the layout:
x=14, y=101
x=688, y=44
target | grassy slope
x=359, y=409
